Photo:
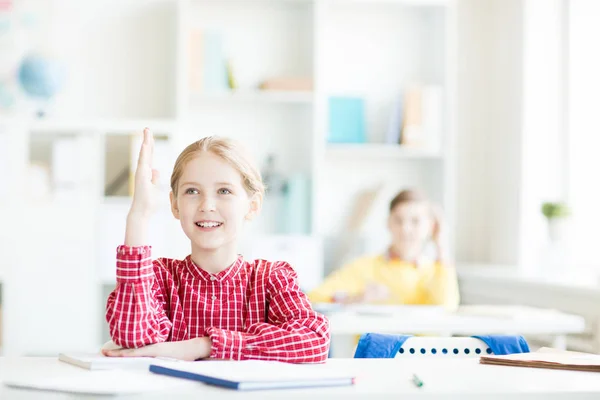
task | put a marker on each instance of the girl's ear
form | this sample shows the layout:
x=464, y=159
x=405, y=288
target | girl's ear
x=174, y=208
x=255, y=206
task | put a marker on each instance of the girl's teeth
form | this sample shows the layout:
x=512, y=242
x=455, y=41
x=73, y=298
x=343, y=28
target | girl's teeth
x=209, y=225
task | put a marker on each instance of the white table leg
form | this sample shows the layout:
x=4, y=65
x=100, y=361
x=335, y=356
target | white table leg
x=560, y=342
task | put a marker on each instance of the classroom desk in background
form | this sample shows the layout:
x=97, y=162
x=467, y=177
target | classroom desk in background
x=444, y=379
x=348, y=322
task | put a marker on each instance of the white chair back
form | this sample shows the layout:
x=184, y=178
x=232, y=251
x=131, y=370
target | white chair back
x=423, y=346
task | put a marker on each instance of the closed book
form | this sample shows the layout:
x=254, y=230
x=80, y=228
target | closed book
x=395, y=122
x=256, y=375
x=97, y=361
x=291, y=84
x=412, y=128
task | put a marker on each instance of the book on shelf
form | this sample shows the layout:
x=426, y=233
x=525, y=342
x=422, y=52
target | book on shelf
x=209, y=71
x=287, y=84
x=422, y=118
x=346, y=120
x=393, y=135
x=412, y=133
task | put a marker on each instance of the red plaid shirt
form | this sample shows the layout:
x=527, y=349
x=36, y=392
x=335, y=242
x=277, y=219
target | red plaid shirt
x=251, y=310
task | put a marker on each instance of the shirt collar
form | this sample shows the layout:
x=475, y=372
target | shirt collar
x=222, y=276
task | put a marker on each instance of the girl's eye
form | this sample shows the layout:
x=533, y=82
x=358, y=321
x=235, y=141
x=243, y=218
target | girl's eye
x=191, y=191
x=224, y=191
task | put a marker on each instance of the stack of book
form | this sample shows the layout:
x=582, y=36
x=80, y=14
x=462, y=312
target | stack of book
x=547, y=358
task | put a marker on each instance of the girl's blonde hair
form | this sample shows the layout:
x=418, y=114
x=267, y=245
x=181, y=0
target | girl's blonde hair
x=230, y=151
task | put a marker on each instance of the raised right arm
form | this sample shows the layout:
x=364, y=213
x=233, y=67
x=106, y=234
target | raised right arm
x=136, y=309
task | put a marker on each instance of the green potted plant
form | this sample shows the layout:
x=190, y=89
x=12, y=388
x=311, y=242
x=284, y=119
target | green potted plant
x=557, y=214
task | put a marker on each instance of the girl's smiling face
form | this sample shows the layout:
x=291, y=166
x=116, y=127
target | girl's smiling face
x=212, y=202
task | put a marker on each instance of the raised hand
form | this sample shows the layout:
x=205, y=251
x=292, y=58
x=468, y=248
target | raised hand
x=146, y=179
x=437, y=235
x=145, y=195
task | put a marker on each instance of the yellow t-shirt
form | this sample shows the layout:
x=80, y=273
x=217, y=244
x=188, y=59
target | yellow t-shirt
x=425, y=284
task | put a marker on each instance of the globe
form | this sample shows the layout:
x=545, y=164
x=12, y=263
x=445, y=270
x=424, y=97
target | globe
x=41, y=77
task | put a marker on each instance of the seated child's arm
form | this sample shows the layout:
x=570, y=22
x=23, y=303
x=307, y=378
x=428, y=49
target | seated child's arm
x=136, y=309
x=350, y=280
x=441, y=286
x=293, y=332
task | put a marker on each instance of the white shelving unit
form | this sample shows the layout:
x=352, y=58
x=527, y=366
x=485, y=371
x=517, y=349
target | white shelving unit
x=372, y=48
x=253, y=96
x=380, y=151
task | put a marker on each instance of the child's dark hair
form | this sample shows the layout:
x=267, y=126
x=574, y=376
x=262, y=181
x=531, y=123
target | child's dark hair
x=407, y=196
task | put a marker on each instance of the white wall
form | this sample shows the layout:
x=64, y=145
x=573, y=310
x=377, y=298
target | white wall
x=118, y=66
x=543, y=178
x=488, y=134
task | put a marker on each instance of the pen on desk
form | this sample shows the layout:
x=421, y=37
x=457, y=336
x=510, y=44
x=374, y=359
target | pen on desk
x=417, y=381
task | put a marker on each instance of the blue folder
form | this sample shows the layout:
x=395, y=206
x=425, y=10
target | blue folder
x=505, y=344
x=257, y=384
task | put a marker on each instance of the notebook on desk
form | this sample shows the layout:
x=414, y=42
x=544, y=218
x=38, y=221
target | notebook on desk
x=255, y=375
x=97, y=361
x=547, y=358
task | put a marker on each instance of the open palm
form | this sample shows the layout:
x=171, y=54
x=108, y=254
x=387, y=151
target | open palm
x=145, y=194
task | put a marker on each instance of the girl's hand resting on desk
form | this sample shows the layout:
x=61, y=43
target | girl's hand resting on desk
x=187, y=350
x=373, y=293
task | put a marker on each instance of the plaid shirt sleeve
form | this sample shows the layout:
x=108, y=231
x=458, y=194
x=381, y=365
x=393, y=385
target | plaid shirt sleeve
x=135, y=310
x=294, y=331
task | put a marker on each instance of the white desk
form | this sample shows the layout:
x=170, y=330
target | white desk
x=445, y=379
x=467, y=321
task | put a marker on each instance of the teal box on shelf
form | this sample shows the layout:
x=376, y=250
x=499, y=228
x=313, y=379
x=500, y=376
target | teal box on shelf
x=215, y=68
x=297, y=206
x=346, y=120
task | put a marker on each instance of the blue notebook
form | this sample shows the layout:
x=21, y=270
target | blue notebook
x=255, y=375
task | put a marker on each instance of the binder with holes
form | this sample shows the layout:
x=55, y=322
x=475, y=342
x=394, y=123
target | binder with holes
x=547, y=358
x=444, y=347
x=380, y=345
x=444, y=350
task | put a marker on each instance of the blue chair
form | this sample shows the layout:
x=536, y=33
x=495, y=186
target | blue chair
x=377, y=345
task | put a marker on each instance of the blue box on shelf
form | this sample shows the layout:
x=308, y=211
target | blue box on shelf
x=346, y=120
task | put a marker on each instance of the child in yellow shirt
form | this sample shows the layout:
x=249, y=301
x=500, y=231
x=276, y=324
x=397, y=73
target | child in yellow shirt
x=399, y=276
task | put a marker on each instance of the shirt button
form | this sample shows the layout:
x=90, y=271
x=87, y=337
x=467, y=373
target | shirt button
x=213, y=278
x=214, y=297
